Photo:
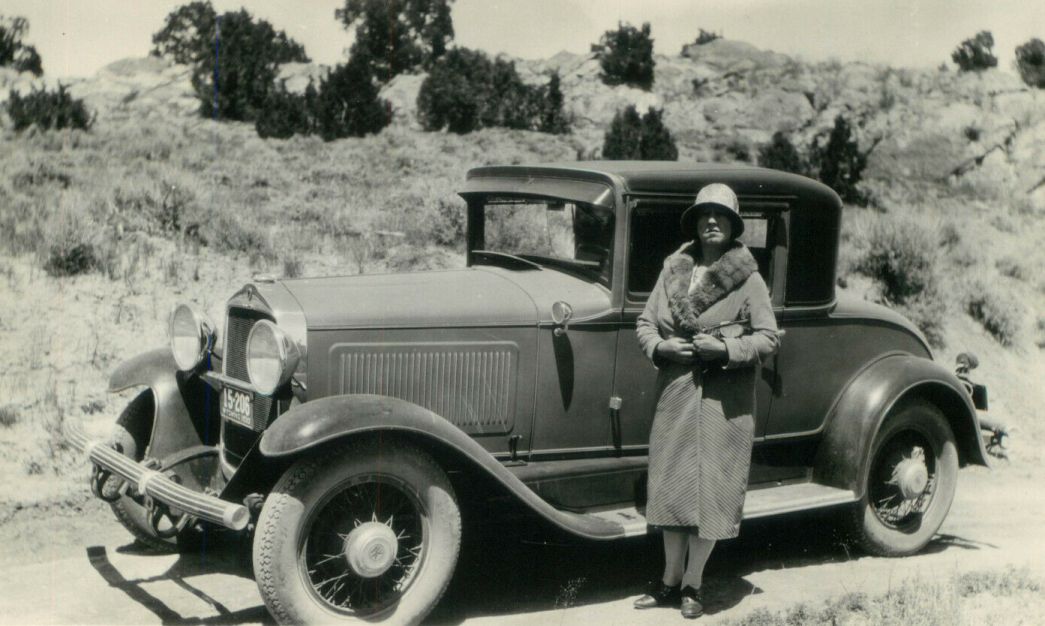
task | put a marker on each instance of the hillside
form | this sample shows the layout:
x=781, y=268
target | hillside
x=162, y=206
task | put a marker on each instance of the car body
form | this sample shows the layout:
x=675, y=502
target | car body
x=520, y=374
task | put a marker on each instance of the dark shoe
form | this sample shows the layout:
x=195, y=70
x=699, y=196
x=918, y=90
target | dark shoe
x=692, y=603
x=658, y=594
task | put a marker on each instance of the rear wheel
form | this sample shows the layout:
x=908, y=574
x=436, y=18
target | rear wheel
x=910, y=484
x=366, y=532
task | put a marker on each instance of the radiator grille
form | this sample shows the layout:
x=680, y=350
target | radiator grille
x=471, y=385
x=237, y=329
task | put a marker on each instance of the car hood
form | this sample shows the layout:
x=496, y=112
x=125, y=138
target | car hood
x=468, y=297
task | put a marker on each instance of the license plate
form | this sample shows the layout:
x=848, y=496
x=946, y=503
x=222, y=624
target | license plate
x=237, y=406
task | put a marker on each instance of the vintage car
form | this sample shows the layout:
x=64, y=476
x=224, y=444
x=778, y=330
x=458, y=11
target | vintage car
x=346, y=422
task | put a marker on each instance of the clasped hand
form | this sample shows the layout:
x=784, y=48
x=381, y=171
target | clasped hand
x=704, y=346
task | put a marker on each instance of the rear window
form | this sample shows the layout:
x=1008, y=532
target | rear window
x=655, y=234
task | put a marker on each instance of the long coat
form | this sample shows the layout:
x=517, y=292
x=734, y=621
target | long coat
x=700, y=443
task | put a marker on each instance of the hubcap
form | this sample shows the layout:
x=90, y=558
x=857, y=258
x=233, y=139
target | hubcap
x=912, y=477
x=371, y=549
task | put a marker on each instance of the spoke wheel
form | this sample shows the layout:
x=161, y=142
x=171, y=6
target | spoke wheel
x=910, y=482
x=365, y=545
x=368, y=532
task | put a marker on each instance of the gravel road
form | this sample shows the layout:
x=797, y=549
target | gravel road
x=79, y=567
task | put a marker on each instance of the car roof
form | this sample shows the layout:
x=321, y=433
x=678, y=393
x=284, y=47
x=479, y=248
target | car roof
x=667, y=176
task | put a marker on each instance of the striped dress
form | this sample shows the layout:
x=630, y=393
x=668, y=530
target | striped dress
x=700, y=442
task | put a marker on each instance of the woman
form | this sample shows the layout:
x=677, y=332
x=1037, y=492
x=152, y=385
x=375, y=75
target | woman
x=700, y=444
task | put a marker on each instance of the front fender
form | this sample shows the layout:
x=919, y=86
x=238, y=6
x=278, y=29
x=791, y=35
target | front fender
x=843, y=457
x=186, y=412
x=314, y=423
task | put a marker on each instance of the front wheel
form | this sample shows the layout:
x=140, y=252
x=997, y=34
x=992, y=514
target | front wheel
x=910, y=484
x=366, y=532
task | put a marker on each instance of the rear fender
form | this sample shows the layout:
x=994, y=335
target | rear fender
x=307, y=426
x=186, y=410
x=843, y=457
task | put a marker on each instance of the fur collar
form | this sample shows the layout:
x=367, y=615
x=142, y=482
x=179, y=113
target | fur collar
x=724, y=275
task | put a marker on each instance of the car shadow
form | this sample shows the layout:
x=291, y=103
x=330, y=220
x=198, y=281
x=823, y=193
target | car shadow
x=501, y=574
x=195, y=561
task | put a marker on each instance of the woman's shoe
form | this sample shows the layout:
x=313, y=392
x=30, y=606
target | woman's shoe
x=658, y=594
x=692, y=602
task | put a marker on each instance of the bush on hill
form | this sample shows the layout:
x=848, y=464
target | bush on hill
x=345, y=105
x=235, y=58
x=626, y=56
x=397, y=36
x=48, y=109
x=13, y=52
x=840, y=164
x=466, y=91
x=348, y=105
x=1030, y=61
x=900, y=255
x=976, y=53
x=781, y=154
x=703, y=37
x=644, y=138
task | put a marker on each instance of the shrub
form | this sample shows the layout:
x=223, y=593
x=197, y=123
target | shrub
x=347, y=104
x=840, y=164
x=286, y=114
x=901, y=255
x=234, y=63
x=781, y=154
x=1030, y=61
x=48, y=109
x=976, y=53
x=631, y=137
x=14, y=53
x=999, y=313
x=553, y=118
x=626, y=56
x=9, y=415
x=71, y=260
x=704, y=37
x=466, y=91
x=396, y=36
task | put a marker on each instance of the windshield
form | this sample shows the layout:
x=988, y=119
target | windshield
x=567, y=236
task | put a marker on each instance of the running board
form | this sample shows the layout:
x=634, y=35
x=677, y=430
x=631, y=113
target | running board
x=759, y=503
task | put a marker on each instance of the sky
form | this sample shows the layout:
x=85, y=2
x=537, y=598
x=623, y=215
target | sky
x=79, y=37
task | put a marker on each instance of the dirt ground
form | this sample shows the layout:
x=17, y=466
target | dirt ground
x=76, y=565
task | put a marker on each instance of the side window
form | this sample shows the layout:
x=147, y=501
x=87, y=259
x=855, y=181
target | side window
x=654, y=234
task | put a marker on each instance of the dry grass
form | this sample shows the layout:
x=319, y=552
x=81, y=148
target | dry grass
x=958, y=600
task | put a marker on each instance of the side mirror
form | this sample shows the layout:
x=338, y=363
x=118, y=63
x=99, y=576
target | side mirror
x=561, y=314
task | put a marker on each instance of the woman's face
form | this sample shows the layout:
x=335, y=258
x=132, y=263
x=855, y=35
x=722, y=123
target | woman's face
x=714, y=228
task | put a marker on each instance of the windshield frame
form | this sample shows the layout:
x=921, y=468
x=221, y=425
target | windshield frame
x=476, y=233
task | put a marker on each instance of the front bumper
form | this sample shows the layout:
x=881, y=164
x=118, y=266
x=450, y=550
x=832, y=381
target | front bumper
x=154, y=484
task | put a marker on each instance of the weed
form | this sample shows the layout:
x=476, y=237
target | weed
x=949, y=235
x=71, y=260
x=292, y=267
x=999, y=313
x=1013, y=268
x=901, y=255
x=1004, y=583
x=568, y=593
x=9, y=415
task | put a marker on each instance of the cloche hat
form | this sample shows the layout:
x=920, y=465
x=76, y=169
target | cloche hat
x=717, y=196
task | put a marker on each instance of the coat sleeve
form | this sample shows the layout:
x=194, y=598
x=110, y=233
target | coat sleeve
x=749, y=350
x=646, y=326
